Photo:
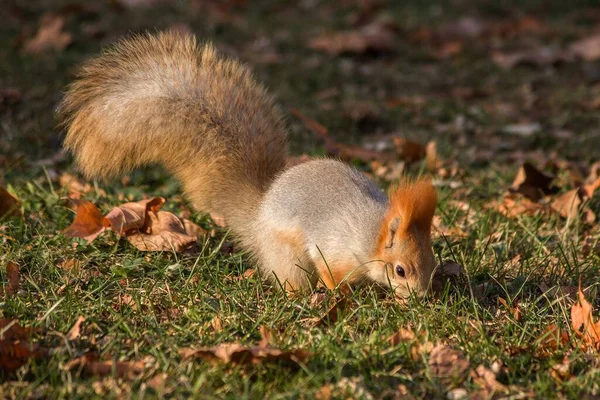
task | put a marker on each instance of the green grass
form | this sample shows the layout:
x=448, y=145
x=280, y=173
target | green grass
x=176, y=296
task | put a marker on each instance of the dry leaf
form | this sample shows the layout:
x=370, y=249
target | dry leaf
x=14, y=277
x=166, y=234
x=486, y=378
x=15, y=353
x=216, y=324
x=446, y=272
x=193, y=229
x=89, y=222
x=537, y=57
x=552, y=338
x=75, y=330
x=91, y=365
x=418, y=345
x=532, y=183
x=133, y=215
x=512, y=207
x=408, y=150
x=15, y=348
x=583, y=322
x=50, y=36
x=448, y=364
x=376, y=36
x=571, y=203
x=562, y=371
x=514, y=309
x=9, y=206
x=587, y=48
x=234, y=353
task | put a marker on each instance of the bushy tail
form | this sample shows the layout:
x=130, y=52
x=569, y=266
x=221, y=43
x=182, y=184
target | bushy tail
x=168, y=100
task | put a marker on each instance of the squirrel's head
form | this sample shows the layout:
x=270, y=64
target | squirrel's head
x=404, y=254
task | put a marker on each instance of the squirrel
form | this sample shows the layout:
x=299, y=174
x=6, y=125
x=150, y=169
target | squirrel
x=167, y=99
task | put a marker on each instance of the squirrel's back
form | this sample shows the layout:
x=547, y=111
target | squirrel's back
x=169, y=100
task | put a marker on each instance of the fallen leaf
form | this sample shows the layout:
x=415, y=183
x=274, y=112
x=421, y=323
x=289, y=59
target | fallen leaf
x=537, y=57
x=587, y=48
x=15, y=348
x=486, y=378
x=446, y=272
x=167, y=233
x=219, y=220
x=16, y=353
x=9, y=206
x=514, y=309
x=50, y=36
x=216, y=324
x=570, y=204
x=551, y=339
x=133, y=215
x=75, y=330
x=11, y=330
x=408, y=150
x=193, y=229
x=14, y=277
x=376, y=37
x=532, y=183
x=559, y=291
x=583, y=322
x=234, y=353
x=512, y=207
x=448, y=364
x=562, y=370
x=88, y=223
x=91, y=365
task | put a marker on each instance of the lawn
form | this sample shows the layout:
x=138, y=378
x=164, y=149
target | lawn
x=472, y=93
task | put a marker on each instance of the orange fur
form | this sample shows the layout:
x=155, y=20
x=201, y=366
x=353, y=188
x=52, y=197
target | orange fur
x=414, y=202
x=332, y=275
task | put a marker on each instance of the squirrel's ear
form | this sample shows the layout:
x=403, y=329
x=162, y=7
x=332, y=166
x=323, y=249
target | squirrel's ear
x=392, y=229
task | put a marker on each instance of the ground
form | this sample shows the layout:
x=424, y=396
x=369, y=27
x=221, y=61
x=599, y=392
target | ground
x=492, y=84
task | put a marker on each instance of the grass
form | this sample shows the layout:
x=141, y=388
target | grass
x=149, y=305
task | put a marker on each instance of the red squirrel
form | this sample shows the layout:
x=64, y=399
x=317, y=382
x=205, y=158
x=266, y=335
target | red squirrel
x=166, y=99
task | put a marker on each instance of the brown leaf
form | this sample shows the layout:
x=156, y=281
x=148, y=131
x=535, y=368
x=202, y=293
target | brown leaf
x=552, y=338
x=561, y=371
x=571, y=203
x=9, y=206
x=15, y=348
x=512, y=207
x=193, y=229
x=375, y=37
x=514, y=309
x=50, y=36
x=583, y=322
x=14, y=278
x=447, y=271
x=431, y=156
x=418, y=344
x=486, y=378
x=532, y=183
x=216, y=324
x=11, y=330
x=408, y=150
x=89, y=222
x=587, y=48
x=448, y=364
x=75, y=330
x=133, y=215
x=92, y=366
x=234, y=353
x=537, y=57
x=16, y=353
x=166, y=233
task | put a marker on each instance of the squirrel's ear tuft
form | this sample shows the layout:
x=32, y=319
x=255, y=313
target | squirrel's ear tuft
x=415, y=203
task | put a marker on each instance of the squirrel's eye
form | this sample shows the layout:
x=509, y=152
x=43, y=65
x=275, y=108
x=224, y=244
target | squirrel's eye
x=400, y=271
